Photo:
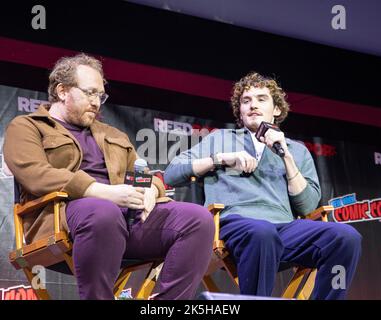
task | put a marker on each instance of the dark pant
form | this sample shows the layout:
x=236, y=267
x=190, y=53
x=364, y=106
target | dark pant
x=181, y=233
x=258, y=247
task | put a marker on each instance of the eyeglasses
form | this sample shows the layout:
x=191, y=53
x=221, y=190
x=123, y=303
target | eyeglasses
x=92, y=95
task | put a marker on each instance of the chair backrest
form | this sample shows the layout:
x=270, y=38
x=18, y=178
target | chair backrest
x=192, y=191
x=197, y=191
x=17, y=192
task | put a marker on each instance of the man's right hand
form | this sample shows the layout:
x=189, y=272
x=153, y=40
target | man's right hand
x=241, y=161
x=121, y=194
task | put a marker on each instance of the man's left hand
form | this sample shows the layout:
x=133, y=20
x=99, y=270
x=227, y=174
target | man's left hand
x=272, y=136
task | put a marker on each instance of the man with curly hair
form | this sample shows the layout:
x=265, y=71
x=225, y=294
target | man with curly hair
x=264, y=193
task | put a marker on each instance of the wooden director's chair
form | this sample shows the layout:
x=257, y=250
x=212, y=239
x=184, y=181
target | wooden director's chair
x=54, y=252
x=303, y=280
x=301, y=284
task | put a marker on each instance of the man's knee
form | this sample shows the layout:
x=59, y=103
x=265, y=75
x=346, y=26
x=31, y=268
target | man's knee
x=347, y=236
x=196, y=217
x=252, y=238
x=100, y=214
x=261, y=231
x=201, y=216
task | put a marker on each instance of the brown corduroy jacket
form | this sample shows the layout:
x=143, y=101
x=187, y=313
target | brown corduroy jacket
x=45, y=157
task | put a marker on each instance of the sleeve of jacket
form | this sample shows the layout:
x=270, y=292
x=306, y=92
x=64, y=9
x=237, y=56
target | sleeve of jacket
x=26, y=158
x=132, y=156
x=307, y=200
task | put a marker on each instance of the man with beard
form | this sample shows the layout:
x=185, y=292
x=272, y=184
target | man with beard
x=62, y=147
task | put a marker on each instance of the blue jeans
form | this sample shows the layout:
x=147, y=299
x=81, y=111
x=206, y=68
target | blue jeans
x=258, y=247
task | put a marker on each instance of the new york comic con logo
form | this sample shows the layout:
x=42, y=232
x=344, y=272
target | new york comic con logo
x=347, y=209
x=18, y=293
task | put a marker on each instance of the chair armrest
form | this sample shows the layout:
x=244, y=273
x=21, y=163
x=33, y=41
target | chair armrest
x=215, y=209
x=320, y=212
x=32, y=205
x=21, y=210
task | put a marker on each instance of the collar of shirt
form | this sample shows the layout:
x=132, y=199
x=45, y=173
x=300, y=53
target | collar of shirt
x=259, y=147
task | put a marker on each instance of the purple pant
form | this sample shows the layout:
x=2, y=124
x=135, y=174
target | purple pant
x=178, y=232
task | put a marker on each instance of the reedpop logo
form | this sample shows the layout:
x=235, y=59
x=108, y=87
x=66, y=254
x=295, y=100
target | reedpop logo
x=170, y=138
x=25, y=104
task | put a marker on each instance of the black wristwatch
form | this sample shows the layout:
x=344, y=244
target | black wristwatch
x=217, y=165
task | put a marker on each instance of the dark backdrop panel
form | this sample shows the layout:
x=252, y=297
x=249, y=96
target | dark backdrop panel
x=344, y=168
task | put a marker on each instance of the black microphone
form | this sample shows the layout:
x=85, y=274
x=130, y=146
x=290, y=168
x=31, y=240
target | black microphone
x=263, y=127
x=142, y=178
x=140, y=166
x=138, y=178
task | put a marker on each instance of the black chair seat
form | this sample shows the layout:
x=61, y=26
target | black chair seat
x=286, y=265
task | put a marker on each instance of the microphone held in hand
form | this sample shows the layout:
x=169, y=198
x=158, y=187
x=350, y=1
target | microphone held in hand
x=263, y=127
x=138, y=178
x=140, y=165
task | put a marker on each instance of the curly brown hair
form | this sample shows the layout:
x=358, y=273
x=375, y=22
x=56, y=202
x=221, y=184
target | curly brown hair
x=254, y=79
x=64, y=72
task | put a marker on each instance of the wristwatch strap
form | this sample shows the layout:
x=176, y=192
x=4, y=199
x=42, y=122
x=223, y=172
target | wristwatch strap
x=217, y=164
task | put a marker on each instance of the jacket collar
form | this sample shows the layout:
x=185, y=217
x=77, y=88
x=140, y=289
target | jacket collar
x=43, y=113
